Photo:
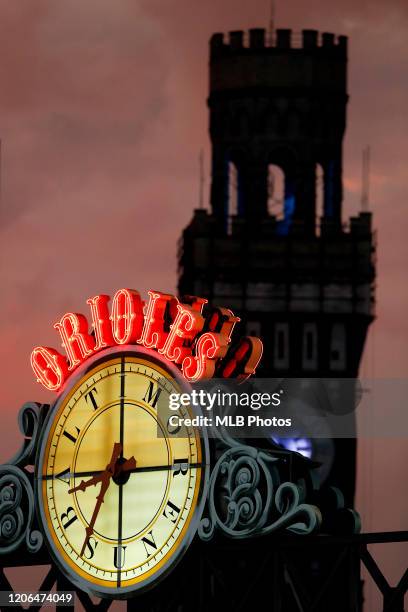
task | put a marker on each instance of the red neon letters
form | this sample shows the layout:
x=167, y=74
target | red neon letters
x=78, y=344
x=184, y=329
x=127, y=316
x=100, y=321
x=154, y=335
x=49, y=367
x=242, y=359
x=209, y=348
x=180, y=332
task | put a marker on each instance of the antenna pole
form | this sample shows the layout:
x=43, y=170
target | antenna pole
x=365, y=191
x=271, y=26
x=368, y=176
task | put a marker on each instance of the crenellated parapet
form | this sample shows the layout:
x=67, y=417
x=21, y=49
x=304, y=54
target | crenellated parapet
x=257, y=39
x=281, y=61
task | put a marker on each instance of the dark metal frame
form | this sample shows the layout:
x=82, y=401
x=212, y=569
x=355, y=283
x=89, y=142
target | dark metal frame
x=238, y=472
x=278, y=563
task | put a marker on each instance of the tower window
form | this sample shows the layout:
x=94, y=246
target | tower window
x=232, y=195
x=281, y=197
x=232, y=189
x=338, y=347
x=309, y=356
x=276, y=191
x=309, y=345
x=319, y=194
x=329, y=189
x=281, y=346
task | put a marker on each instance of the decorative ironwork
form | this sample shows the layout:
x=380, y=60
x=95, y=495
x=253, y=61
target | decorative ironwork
x=246, y=496
x=17, y=511
x=30, y=420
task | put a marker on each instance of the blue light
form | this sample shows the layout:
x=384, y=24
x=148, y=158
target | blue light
x=288, y=209
x=303, y=446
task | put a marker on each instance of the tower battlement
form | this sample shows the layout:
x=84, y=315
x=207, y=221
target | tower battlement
x=259, y=40
x=284, y=60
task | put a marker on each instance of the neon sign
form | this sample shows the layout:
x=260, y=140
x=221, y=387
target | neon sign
x=200, y=345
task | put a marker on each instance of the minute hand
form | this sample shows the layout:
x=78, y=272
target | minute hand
x=105, y=479
x=99, y=501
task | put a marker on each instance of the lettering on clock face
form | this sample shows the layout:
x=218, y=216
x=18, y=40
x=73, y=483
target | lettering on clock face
x=118, y=497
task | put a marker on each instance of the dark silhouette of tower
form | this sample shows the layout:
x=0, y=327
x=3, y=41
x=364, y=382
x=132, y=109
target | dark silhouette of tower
x=282, y=257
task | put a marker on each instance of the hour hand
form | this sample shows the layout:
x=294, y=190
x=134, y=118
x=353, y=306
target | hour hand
x=107, y=473
x=127, y=465
x=84, y=484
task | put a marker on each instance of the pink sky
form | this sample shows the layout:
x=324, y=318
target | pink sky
x=102, y=116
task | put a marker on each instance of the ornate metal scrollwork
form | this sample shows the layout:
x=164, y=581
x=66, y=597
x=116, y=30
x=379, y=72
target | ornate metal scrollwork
x=17, y=510
x=30, y=420
x=246, y=498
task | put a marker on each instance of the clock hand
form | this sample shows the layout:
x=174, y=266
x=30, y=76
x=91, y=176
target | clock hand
x=106, y=478
x=127, y=466
x=110, y=468
x=87, y=483
x=99, y=501
x=117, y=450
x=146, y=468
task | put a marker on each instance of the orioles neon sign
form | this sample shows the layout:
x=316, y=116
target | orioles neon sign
x=199, y=345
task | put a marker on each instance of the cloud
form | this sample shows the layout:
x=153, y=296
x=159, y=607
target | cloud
x=77, y=100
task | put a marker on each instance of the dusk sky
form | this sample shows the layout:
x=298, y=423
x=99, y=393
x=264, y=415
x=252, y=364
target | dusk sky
x=102, y=117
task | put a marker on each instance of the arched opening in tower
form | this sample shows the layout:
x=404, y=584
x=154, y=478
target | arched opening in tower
x=276, y=191
x=281, y=197
x=338, y=349
x=232, y=189
x=233, y=206
x=319, y=196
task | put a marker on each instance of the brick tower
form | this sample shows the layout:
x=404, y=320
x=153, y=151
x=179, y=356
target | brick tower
x=281, y=255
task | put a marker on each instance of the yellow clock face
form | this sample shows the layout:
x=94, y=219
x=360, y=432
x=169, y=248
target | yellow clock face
x=119, y=492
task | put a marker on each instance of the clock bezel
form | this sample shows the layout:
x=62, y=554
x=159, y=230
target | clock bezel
x=163, y=570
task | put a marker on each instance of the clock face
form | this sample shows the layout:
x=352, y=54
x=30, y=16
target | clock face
x=120, y=490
